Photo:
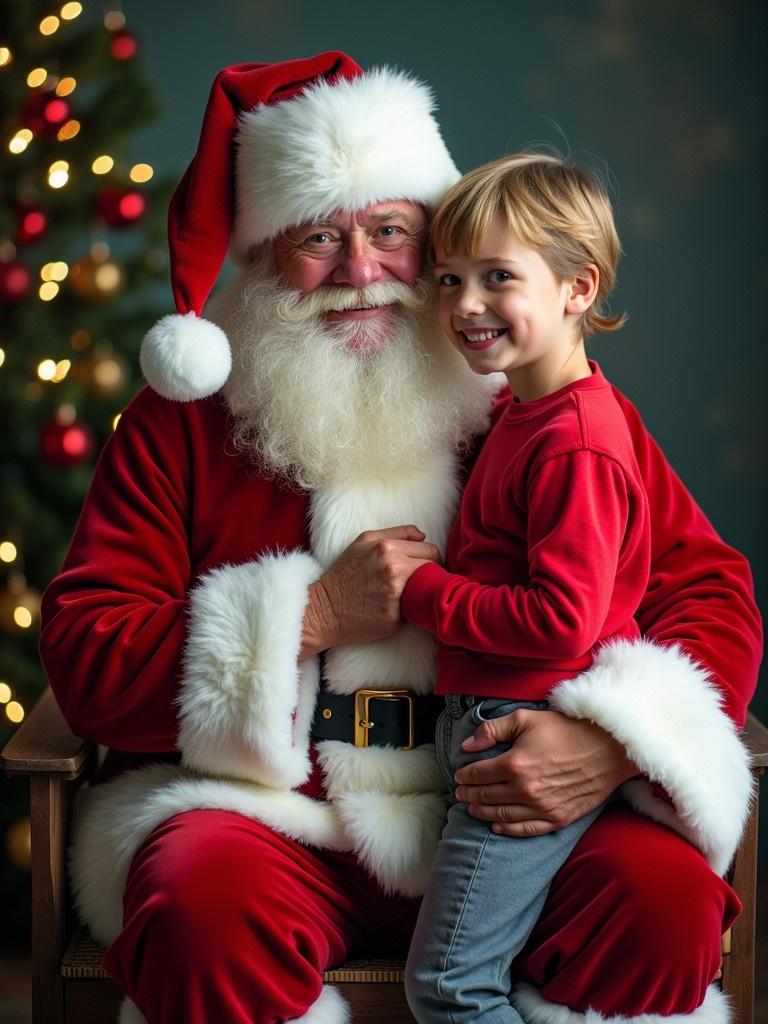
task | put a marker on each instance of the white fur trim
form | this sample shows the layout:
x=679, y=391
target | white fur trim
x=350, y=769
x=112, y=820
x=246, y=707
x=340, y=146
x=184, y=357
x=329, y=1008
x=536, y=1010
x=395, y=836
x=426, y=496
x=130, y=1013
x=667, y=713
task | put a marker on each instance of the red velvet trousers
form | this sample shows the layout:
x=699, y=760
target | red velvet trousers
x=226, y=921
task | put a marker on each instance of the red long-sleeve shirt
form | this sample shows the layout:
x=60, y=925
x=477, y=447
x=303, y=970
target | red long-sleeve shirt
x=550, y=552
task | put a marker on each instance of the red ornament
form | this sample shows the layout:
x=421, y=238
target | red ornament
x=44, y=113
x=15, y=281
x=119, y=208
x=66, y=444
x=123, y=45
x=31, y=224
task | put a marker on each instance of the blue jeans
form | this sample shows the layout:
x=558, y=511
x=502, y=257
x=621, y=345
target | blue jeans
x=485, y=895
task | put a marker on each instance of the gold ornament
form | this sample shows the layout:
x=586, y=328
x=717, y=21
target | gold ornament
x=19, y=605
x=96, y=280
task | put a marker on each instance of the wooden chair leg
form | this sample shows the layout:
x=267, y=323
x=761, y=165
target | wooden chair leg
x=739, y=964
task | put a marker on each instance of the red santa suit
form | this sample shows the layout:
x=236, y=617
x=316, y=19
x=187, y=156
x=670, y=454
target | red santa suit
x=176, y=625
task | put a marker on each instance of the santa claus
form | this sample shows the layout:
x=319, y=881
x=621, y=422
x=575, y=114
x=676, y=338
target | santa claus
x=227, y=617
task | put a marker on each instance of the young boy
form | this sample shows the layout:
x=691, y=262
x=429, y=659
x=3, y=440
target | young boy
x=549, y=555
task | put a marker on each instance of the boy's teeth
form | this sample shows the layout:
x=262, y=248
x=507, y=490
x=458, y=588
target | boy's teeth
x=481, y=335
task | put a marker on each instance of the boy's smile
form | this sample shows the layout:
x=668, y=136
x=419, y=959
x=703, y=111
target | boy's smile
x=506, y=311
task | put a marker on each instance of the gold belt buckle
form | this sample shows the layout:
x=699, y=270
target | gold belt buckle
x=363, y=723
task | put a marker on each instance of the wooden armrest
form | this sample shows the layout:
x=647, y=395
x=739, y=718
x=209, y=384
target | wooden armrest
x=755, y=737
x=45, y=745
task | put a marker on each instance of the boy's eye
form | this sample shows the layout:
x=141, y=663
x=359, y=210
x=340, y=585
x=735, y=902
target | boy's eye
x=446, y=280
x=499, y=276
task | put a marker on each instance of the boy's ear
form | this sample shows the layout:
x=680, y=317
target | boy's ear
x=582, y=290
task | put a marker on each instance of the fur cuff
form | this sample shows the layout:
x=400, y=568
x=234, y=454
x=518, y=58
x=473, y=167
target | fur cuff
x=535, y=1010
x=246, y=706
x=330, y=1007
x=667, y=712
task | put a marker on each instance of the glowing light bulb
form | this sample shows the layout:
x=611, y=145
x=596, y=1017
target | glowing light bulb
x=62, y=369
x=46, y=369
x=48, y=290
x=8, y=551
x=68, y=131
x=102, y=164
x=58, y=174
x=23, y=618
x=5, y=693
x=20, y=140
x=2, y=356
x=116, y=420
x=114, y=21
x=49, y=25
x=36, y=77
x=15, y=711
x=70, y=11
x=66, y=86
x=5, y=56
x=141, y=172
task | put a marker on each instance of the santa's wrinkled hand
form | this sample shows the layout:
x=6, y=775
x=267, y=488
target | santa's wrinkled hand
x=358, y=598
x=557, y=770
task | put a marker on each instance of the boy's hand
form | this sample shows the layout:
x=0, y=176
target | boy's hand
x=557, y=770
x=358, y=597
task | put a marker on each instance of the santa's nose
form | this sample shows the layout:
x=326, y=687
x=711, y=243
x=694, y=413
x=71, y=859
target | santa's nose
x=357, y=268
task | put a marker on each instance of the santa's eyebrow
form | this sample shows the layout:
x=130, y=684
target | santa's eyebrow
x=400, y=215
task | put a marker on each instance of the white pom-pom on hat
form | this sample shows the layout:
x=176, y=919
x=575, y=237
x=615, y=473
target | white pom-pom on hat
x=184, y=357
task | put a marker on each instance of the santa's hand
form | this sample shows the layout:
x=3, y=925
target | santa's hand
x=358, y=598
x=557, y=770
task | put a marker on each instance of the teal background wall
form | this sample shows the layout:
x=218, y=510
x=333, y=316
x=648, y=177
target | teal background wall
x=669, y=94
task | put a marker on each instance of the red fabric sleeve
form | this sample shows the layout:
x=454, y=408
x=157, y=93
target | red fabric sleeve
x=573, y=551
x=700, y=593
x=114, y=619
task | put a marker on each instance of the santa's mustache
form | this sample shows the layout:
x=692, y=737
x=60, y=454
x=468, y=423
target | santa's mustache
x=295, y=308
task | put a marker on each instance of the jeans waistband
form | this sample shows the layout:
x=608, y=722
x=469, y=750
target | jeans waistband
x=457, y=704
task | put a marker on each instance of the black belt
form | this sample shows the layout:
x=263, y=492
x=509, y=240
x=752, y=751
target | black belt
x=377, y=718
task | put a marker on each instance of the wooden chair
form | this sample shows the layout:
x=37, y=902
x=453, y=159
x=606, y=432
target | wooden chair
x=69, y=983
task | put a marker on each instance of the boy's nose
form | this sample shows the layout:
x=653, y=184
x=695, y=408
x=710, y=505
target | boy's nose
x=468, y=303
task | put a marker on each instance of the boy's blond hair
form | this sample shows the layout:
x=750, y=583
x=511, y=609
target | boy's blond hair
x=549, y=205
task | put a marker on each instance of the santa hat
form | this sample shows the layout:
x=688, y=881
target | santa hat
x=282, y=144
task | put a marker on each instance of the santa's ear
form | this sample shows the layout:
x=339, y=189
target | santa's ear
x=582, y=289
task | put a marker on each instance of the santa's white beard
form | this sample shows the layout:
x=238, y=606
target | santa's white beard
x=316, y=403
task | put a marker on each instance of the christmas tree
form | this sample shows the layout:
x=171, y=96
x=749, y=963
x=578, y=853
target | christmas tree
x=82, y=241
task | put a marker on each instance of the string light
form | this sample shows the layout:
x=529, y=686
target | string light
x=46, y=369
x=102, y=164
x=36, y=77
x=141, y=173
x=14, y=711
x=54, y=271
x=66, y=86
x=49, y=25
x=70, y=11
x=68, y=131
x=5, y=693
x=48, y=290
x=2, y=356
x=22, y=617
x=20, y=140
x=8, y=551
x=62, y=369
x=116, y=420
x=58, y=174
x=5, y=56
